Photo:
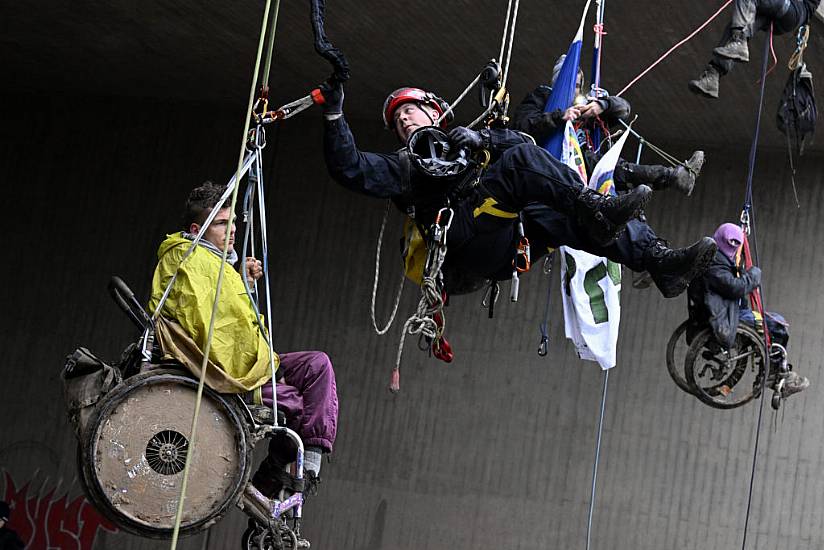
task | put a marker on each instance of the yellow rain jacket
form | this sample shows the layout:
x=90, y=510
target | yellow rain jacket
x=239, y=354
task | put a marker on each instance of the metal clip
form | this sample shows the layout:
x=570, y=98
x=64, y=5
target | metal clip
x=515, y=286
x=745, y=221
x=544, y=347
x=439, y=229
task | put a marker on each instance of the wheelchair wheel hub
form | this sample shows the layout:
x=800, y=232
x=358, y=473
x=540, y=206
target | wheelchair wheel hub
x=166, y=452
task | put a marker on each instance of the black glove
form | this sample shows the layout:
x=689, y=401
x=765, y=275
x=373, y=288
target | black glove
x=333, y=97
x=464, y=137
x=755, y=274
x=551, y=120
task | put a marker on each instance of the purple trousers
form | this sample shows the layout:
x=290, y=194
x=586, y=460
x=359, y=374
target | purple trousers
x=308, y=398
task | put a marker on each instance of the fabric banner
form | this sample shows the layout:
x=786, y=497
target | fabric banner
x=591, y=285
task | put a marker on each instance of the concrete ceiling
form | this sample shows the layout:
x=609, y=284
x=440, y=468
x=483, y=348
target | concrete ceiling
x=205, y=50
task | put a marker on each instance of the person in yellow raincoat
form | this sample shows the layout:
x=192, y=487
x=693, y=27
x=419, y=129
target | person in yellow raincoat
x=239, y=357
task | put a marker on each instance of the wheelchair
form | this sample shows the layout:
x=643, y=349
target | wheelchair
x=133, y=422
x=725, y=378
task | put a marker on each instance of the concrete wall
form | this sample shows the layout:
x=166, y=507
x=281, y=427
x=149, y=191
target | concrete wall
x=492, y=451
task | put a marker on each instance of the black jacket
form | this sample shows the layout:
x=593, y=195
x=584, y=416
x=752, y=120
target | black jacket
x=383, y=175
x=530, y=117
x=717, y=297
x=9, y=540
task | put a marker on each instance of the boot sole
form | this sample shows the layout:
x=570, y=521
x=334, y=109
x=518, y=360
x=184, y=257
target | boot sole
x=701, y=264
x=698, y=90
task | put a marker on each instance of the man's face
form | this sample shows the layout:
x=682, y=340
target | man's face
x=216, y=232
x=411, y=116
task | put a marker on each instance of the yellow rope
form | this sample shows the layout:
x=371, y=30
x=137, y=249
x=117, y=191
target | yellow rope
x=207, y=346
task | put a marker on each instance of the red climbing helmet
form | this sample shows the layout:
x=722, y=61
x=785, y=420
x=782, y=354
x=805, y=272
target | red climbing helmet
x=407, y=95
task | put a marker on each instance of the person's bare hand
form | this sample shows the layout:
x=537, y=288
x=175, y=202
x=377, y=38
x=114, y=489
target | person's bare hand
x=572, y=114
x=254, y=270
x=591, y=110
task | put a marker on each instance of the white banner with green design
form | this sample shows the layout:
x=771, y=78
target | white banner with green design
x=591, y=285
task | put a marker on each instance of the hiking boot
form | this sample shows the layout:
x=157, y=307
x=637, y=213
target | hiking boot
x=683, y=177
x=707, y=83
x=673, y=269
x=735, y=48
x=606, y=215
x=793, y=383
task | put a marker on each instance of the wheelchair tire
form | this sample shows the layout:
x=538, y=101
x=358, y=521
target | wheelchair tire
x=133, y=455
x=718, y=390
x=675, y=366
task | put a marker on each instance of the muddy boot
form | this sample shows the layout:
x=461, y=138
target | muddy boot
x=735, y=48
x=660, y=178
x=673, y=269
x=793, y=383
x=605, y=216
x=682, y=178
x=685, y=179
x=707, y=83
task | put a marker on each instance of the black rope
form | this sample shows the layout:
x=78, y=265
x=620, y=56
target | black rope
x=340, y=66
x=749, y=211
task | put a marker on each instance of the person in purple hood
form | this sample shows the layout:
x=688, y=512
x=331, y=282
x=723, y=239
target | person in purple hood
x=719, y=298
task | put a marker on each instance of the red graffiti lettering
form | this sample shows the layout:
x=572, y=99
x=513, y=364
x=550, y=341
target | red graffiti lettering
x=46, y=523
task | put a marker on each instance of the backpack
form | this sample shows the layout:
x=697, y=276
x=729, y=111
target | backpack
x=797, y=112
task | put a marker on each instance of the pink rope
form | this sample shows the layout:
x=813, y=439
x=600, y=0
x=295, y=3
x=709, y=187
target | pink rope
x=774, y=58
x=660, y=59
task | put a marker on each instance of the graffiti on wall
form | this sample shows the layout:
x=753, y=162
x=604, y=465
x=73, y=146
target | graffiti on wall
x=45, y=519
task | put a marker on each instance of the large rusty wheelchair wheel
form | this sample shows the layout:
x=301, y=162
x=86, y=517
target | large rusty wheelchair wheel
x=135, y=448
x=677, y=350
x=726, y=379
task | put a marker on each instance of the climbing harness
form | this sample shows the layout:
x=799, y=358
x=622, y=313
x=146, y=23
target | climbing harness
x=430, y=152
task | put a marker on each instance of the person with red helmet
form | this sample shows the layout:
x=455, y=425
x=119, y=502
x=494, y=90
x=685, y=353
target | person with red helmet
x=520, y=180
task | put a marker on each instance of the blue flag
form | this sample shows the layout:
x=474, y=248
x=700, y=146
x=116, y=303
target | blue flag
x=563, y=89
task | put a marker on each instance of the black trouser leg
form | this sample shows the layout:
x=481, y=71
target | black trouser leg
x=743, y=15
x=546, y=227
x=754, y=15
x=526, y=173
x=629, y=175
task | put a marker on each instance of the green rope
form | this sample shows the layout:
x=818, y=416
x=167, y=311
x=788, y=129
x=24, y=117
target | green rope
x=208, y=345
x=269, y=54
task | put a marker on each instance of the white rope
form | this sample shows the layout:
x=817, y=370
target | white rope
x=384, y=330
x=506, y=28
x=511, y=40
x=431, y=302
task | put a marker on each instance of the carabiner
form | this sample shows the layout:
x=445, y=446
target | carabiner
x=745, y=221
x=544, y=347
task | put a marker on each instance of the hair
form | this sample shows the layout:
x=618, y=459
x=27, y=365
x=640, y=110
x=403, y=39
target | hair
x=201, y=201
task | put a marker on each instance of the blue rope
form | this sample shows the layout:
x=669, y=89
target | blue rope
x=749, y=212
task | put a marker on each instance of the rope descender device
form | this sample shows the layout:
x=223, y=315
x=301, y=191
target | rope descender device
x=264, y=116
x=745, y=221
